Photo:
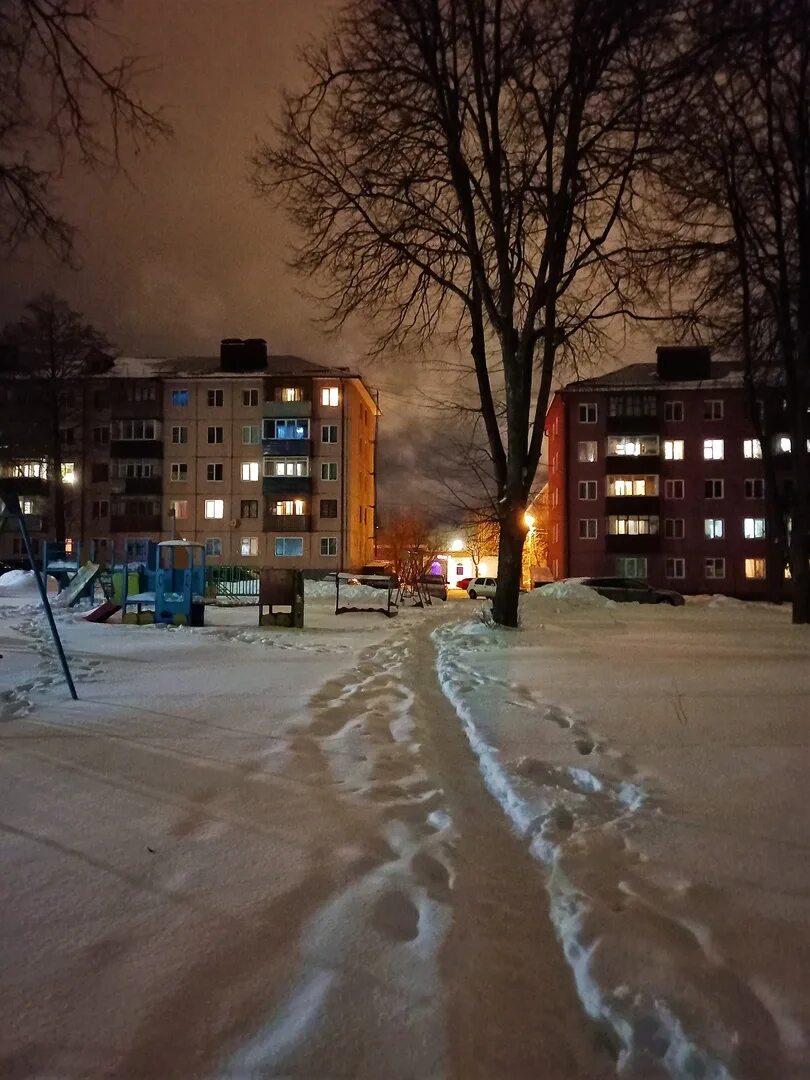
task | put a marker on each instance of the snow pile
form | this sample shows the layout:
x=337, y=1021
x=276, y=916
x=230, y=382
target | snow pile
x=349, y=594
x=561, y=596
x=22, y=581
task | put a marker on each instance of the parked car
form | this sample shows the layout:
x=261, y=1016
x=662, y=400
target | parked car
x=630, y=590
x=464, y=583
x=435, y=585
x=482, y=586
x=380, y=570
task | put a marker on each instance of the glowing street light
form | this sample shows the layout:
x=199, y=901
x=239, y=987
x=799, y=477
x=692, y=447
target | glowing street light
x=528, y=520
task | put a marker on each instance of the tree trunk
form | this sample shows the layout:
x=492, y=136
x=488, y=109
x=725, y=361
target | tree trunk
x=510, y=568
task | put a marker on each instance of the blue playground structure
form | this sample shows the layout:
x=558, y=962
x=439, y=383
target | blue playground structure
x=174, y=589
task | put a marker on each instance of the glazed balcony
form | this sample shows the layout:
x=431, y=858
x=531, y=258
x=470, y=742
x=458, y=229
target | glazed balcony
x=286, y=410
x=300, y=448
x=629, y=505
x=287, y=523
x=289, y=486
x=632, y=466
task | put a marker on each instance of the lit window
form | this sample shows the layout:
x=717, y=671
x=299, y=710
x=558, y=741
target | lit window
x=587, y=528
x=250, y=470
x=754, y=528
x=286, y=429
x=251, y=434
x=755, y=568
x=712, y=410
x=673, y=449
x=179, y=470
x=179, y=434
x=289, y=545
x=68, y=472
x=752, y=448
x=713, y=489
x=632, y=446
x=289, y=506
x=214, y=508
x=178, y=508
x=714, y=568
x=250, y=398
x=632, y=485
x=329, y=547
x=712, y=449
x=328, y=470
x=179, y=398
x=675, y=569
x=213, y=547
x=329, y=395
x=249, y=546
x=286, y=466
x=673, y=411
x=755, y=489
x=646, y=525
x=586, y=451
x=587, y=489
x=673, y=489
x=216, y=398
x=289, y=393
x=713, y=528
x=587, y=413
x=782, y=444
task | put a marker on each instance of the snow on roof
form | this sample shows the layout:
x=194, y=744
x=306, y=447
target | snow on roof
x=166, y=367
x=724, y=374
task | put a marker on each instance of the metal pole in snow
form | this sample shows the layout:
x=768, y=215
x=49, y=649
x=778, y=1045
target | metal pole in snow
x=13, y=504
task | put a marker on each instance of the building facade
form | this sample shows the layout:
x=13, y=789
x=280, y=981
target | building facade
x=656, y=472
x=267, y=460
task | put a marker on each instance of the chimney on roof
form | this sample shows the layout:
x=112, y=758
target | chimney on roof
x=683, y=363
x=238, y=355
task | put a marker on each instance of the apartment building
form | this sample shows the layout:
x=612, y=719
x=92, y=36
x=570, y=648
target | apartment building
x=267, y=460
x=656, y=471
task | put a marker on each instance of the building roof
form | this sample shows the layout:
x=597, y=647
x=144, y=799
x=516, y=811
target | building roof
x=168, y=367
x=725, y=374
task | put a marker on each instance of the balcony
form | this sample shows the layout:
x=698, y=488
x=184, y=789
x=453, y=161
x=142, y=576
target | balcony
x=644, y=544
x=287, y=448
x=24, y=486
x=136, y=448
x=286, y=410
x=633, y=466
x=287, y=523
x=135, y=523
x=626, y=505
x=629, y=425
x=287, y=485
x=143, y=485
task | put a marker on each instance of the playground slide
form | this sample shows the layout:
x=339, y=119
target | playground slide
x=103, y=611
x=82, y=581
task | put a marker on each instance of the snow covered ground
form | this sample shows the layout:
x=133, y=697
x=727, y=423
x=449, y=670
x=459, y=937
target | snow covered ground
x=656, y=762
x=263, y=852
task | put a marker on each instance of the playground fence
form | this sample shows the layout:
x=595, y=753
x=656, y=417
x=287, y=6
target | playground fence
x=237, y=584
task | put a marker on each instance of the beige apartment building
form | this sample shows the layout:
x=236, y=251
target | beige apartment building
x=267, y=460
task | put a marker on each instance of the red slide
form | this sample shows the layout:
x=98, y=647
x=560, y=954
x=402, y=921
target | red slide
x=103, y=612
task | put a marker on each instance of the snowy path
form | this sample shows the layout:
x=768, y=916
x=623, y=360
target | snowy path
x=210, y=870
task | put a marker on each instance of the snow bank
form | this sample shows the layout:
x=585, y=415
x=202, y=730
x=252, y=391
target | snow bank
x=23, y=581
x=349, y=594
x=574, y=593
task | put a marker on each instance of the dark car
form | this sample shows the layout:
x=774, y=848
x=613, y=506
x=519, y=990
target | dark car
x=435, y=585
x=631, y=591
x=381, y=570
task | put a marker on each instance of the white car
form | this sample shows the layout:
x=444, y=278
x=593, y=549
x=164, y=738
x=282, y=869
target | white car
x=481, y=586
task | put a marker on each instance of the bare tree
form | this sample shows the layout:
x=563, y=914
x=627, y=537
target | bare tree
x=473, y=164
x=59, y=96
x=52, y=348
x=737, y=189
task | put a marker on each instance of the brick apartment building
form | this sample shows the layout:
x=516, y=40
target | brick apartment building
x=267, y=460
x=656, y=472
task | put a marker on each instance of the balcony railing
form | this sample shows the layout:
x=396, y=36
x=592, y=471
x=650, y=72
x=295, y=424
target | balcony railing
x=301, y=448
x=632, y=504
x=23, y=485
x=287, y=523
x=287, y=485
x=135, y=523
x=633, y=466
x=286, y=410
x=629, y=425
x=143, y=485
x=633, y=545
x=136, y=448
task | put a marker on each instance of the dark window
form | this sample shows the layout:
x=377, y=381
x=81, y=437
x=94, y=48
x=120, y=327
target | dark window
x=215, y=434
x=249, y=508
x=100, y=473
x=329, y=508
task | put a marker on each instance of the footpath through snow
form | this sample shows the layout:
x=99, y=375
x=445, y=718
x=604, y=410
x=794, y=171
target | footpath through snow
x=267, y=853
x=656, y=762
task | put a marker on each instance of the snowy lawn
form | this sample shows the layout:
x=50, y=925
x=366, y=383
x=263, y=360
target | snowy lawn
x=657, y=761
x=226, y=858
